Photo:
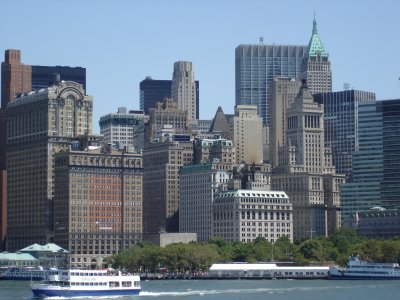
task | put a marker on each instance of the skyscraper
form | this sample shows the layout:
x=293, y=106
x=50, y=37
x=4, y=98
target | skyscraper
x=283, y=92
x=15, y=77
x=153, y=91
x=341, y=125
x=246, y=132
x=305, y=171
x=199, y=184
x=97, y=203
x=52, y=118
x=376, y=162
x=161, y=164
x=123, y=129
x=166, y=112
x=256, y=66
x=316, y=66
x=43, y=76
x=183, y=90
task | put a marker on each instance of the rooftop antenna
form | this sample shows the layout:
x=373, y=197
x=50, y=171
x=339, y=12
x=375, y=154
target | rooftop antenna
x=261, y=40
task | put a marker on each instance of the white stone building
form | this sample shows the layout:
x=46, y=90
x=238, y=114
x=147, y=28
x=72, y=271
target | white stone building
x=244, y=215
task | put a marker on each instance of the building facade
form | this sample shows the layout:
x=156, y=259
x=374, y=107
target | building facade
x=305, y=171
x=38, y=125
x=153, y=91
x=377, y=222
x=256, y=66
x=316, y=66
x=16, y=78
x=376, y=163
x=166, y=113
x=97, y=204
x=199, y=184
x=283, y=92
x=123, y=129
x=221, y=151
x=162, y=162
x=246, y=131
x=244, y=215
x=183, y=90
x=44, y=76
x=341, y=125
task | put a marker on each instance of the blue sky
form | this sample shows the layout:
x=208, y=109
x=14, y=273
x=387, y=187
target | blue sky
x=121, y=42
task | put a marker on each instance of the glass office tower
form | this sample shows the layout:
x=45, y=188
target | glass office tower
x=341, y=125
x=44, y=76
x=376, y=165
x=256, y=66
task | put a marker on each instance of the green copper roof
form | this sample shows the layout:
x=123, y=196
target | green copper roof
x=315, y=45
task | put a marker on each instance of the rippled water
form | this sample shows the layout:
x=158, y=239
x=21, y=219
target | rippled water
x=242, y=289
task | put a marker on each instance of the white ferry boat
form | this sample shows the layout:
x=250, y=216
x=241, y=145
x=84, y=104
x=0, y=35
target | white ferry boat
x=24, y=273
x=79, y=283
x=266, y=271
x=362, y=269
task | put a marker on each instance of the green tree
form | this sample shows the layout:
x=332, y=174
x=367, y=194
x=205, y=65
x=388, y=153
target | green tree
x=284, y=249
x=243, y=252
x=389, y=251
x=311, y=250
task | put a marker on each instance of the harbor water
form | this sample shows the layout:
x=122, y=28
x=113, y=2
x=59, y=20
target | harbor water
x=241, y=289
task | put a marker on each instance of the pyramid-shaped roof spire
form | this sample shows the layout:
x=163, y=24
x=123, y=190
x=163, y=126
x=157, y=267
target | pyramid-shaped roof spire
x=220, y=122
x=315, y=46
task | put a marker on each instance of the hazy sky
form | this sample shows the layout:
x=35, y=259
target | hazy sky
x=120, y=42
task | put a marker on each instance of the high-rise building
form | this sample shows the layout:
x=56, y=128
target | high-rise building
x=199, y=184
x=166, y=112
x=15, y=77
x=283, y=92
x=97, y=203
x=44, y=76
x=51, y=119
x=15, y=80
x=316, y=66
x=153, y=91
x=341, y=125
x=305, y=171
x=376, y=162
x=246, y=134
x=161, y=164
x=244, y=215
x=123, y=129
x=256, y=66
x=183, y=90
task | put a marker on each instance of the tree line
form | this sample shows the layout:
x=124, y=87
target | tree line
x=198, y=257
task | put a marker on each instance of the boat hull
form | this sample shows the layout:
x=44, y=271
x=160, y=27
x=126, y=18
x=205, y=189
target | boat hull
x=372, y=277
x=68, y=293
x=25, y=278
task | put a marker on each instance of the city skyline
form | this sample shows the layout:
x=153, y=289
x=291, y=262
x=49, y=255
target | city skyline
x=120, y=45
